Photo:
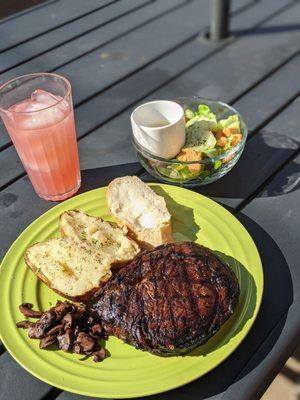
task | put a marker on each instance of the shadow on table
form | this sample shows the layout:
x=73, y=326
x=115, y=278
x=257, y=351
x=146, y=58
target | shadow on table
x=97, y=177
x=262, y=155
x=266, y=30
x=277, y=297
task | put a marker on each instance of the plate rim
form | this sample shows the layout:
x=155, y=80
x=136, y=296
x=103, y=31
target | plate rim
x=222, y=358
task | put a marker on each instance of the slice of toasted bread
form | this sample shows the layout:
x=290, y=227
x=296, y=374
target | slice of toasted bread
x=73, y=270
x=136, y=206
x=99, y=235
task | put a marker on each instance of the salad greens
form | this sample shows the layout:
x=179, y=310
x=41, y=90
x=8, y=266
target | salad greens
x=206, y=138
x=232, y=122
x=199, y=138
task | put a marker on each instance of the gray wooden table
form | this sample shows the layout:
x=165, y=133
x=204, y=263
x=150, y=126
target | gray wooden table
x=120, y=53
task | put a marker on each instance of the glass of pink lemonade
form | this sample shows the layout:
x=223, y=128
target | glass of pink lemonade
x=38, y=114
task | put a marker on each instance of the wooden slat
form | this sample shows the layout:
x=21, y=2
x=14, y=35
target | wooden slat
x=280, y=198
x=85, y=44
x=18, y=384
x=13, y=166
x=114, y=61
x=100, y=73
x=43, y=19
x=153, y=76
x=237, y=68
x=158, y=72
x=197, y=80
x=26, y=11
x=118, y=95
x=47, y=41
x=4, y=137
x=286, y=121
x=57, y=37
x=262, y=102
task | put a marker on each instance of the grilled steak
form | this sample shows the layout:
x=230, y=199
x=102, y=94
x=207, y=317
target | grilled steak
x=168, y=300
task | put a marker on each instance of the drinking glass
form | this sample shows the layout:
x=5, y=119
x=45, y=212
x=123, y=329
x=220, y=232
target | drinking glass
x=37, y=111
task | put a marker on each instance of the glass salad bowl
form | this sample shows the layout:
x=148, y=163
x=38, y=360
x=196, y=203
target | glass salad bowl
x=215, y=139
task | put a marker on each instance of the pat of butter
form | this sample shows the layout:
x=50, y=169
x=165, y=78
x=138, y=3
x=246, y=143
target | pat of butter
x=147, y=221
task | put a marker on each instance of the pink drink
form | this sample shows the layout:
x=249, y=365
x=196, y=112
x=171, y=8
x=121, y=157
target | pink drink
x=43, y=131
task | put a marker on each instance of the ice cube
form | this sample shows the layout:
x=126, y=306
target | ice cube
x=26, y=106
x=47, y=99
x=42, y=119
x=41, y=110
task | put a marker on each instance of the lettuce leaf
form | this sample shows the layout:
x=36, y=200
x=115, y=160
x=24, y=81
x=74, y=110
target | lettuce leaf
x=212, y=153
x=189, y=114
x=206, y=123
x=177, y=172
x=205, y=112
x=217, y=164
x=232, y=124
x=199, y=138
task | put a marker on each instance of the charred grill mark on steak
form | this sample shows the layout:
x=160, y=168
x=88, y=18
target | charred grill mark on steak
x=190, y=297
x=168, y=305
x=141, y=322
x=156, y=311
x=144, y=303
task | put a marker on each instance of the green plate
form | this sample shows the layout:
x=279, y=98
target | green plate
x=130, y=372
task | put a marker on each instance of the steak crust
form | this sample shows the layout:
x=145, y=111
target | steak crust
x=168, y=300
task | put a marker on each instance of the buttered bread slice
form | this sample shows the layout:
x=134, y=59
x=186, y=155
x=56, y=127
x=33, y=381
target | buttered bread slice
x=99, y=235
x=69, y=268
x=137, y=207
x=78, y=264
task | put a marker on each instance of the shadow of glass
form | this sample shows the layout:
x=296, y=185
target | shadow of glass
x=183, y=221
x=288, y=180
x=241, y=315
